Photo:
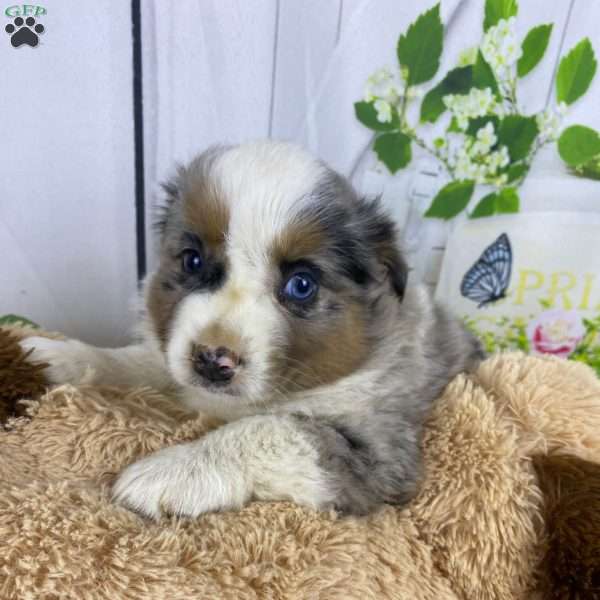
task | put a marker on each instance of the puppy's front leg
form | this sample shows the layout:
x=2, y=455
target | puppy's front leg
x=309, y=461
x=263, y=457
x=72, y=361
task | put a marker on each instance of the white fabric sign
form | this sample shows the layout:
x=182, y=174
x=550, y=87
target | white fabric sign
x=538, y=270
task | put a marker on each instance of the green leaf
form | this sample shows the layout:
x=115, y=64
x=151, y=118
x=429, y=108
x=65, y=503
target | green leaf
x=503, y=202
x=451, y=199
x=589, y=169
x=476, y=124
x=457, y=81
x=367, y=115
x=486, y=207
x=516, y=171
x=420, y=48
x=17, y=320
x=578, y=144
x=534, y=45
x=508, y=201
x=453, y=127
x=393, y=150
x=495, y=10
x=483, y=76
x=517, y=133
x=575, y=72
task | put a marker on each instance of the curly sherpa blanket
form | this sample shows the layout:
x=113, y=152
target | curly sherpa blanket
x=509, y=508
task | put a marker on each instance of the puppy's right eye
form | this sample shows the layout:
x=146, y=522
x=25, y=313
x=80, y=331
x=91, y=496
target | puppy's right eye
x=191, y=261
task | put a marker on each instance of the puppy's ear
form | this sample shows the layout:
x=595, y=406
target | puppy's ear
x=382, y=236
x=170, y=203
x=191, y=176
x=389, y=255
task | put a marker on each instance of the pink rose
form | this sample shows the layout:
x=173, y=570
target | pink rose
x=556, y=332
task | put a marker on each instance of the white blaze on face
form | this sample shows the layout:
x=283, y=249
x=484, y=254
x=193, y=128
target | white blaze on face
x=264, y=185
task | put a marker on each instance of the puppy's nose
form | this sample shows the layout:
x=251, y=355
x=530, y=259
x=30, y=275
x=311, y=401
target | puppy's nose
x=216, y=365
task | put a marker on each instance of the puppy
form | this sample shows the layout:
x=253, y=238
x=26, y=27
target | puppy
x=280, y=306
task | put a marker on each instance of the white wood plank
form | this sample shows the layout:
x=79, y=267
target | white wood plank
x=307, y=33
x=151, y=125
x=214, y=79
x=67, y=201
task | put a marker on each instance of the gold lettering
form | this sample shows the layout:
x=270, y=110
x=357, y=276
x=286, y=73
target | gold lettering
x=557, y=290
x=529, y=280
x=588, y=279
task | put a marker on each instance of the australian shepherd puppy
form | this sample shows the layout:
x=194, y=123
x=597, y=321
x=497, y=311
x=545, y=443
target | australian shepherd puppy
x=279, y=305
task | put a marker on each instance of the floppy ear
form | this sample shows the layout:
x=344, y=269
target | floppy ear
x=163, y=213
x=175, y=187
x=382, y=237
x=389, y=255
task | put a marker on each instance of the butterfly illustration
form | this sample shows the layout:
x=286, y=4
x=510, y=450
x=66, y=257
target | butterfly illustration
x=487, y=280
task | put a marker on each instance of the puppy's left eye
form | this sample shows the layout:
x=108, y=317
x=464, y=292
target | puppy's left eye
x=300, y=287
x=191, y=261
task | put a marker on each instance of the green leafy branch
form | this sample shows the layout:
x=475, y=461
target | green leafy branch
x=488, y=140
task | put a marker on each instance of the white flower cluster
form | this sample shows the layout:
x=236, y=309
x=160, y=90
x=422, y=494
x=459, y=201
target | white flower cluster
x=386, y=88
x=549, y=121
x=477, y=103
x=472, y=158
x=500, y=47
x=384, y=84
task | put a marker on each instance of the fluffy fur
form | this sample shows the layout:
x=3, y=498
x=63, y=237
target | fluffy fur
x=325, y=399
x=479, y=527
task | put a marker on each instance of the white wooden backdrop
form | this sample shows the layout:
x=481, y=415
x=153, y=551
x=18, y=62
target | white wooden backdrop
x=214, y=71
x=67, y=221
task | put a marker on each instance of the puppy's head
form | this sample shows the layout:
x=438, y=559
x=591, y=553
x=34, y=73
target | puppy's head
x=272, y=278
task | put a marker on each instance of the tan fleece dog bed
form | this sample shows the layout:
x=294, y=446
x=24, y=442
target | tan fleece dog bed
x=485, y=525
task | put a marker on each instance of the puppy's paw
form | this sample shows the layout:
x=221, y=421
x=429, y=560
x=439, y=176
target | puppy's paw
x=180, y=480
x=68, y=360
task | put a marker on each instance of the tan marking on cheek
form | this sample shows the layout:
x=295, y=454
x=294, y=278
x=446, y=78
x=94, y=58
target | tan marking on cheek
x=207, y=214
x=321, y=357
x=297, y=241
x=217, y=336
x=161, y=304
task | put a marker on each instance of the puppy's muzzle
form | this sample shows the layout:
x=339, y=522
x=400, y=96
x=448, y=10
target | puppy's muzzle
x=217, y=365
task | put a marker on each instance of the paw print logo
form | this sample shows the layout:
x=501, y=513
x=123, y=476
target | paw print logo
x=24, y=32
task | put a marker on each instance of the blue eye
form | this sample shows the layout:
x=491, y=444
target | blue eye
x=191, y=261
x=301, y=287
